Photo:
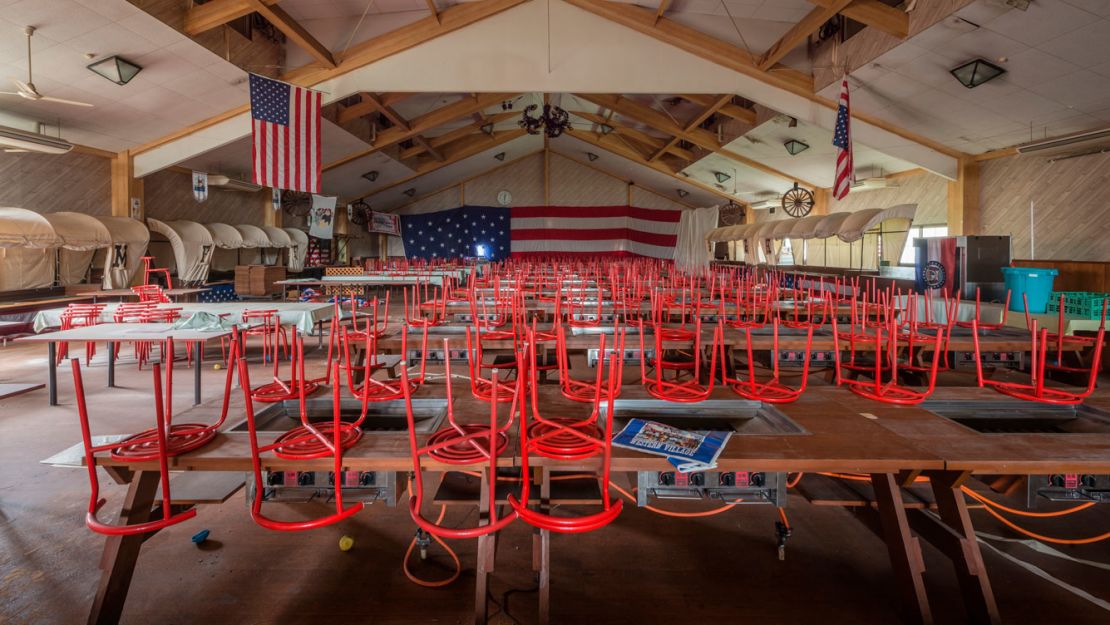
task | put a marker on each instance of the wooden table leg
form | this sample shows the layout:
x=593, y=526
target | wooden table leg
x=485, y=553
x=904, y=548
x=968, y=560
x=122, y=552
x=52, y=372
x=545, y=550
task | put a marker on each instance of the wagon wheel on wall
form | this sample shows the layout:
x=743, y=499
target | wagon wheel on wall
x=358, y=213
x=731, y=214
x=296, y=203
x=797, y=202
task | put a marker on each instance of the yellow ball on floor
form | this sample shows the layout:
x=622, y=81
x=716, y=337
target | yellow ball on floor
x=345, y=543
x=217, y=367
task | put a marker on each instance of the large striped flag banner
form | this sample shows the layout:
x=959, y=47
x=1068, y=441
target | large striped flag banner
x=593, y=230
x=285, y=122
x=842, y=139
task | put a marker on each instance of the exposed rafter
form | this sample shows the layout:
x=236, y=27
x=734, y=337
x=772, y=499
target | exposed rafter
x=697, y=43
x=424, y=123
x=294, y=32
x=204, y=17
x=734, y=111
x=457, y=151
x=800, y=31
x=614, y=145
x=663, y=4
x=429, y=148
x=434, y=10
x=731, y=57
x=888, y=19
x=698, y=136
x=458, y=133
x=696, y=121
x=649, y=142
x=360, y=55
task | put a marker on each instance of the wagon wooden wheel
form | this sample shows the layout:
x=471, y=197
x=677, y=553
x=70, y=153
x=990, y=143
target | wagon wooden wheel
x=797, y=202
x=358, y=213
x=296, y=203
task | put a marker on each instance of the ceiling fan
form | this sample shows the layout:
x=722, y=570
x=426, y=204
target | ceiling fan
x=27, y=89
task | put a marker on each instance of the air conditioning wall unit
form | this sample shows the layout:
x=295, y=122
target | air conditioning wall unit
x=232, y=184
x=33, y=141
x=871, y=184
x=1069, y=143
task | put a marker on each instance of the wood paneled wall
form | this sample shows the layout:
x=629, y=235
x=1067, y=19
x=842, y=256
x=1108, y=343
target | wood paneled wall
x=1071, y=207
x=1075, y=275
x=928, y=191
x=49, y=183
x=571, y=184
x=169, y=195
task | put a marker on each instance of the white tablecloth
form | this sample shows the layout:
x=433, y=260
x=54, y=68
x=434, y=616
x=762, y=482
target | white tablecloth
x=302, y=315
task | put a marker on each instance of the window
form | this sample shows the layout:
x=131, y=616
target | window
x=920, y=232
x=786, y=254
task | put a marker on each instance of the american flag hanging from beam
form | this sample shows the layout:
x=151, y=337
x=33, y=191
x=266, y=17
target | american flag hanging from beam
x=285, y=123
x=842, y=139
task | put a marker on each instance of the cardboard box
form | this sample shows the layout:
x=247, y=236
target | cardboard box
x=262, y=278
x=243, y=279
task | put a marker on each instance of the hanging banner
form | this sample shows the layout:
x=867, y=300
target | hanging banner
x=385, y=223
x=275, y=199
x=200, y=186
x=321, y=219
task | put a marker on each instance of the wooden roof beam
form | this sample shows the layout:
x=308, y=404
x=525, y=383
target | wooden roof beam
x=729, y=109
x=294, y=32
x=663, y=4
x=204, y=17
x=799, y=32
x=434, y=10
x=457, y=151
x=458, y=133
x=888, y=19
x=613, y=145
x=698, y=136
x=420, y=125
x=639, y=136
x=423, y=142
x=697, y=43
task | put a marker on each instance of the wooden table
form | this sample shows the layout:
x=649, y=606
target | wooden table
x=843, y=432
x=305, y=316
x=112, y=333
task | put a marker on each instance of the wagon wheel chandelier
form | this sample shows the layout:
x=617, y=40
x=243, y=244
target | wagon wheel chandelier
x=552, y=122
x=358, y=213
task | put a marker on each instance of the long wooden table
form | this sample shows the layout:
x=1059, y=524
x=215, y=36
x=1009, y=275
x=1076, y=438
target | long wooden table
x=843, y=432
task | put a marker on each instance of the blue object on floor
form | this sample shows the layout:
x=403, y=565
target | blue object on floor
x=200, y=536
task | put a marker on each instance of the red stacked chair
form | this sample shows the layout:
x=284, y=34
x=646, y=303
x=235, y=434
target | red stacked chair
x=458, y=444
x=482, y=388
x=267, y=324
x=978, y=320
x=429, y=312
x=573, y=439
x=379, y=390
x=307, y=441
x=79, y=316
x=577, y=390
x=688, y=391
x=1036, y=389
x=164, y=441
x=772, y=391
x=149, y=271
x=151, y=293
x=884, y=343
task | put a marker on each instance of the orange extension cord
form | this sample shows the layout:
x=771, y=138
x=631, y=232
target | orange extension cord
x=412, y=545
x=995, y=509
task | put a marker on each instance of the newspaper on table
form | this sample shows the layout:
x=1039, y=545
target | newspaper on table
x=689, y=451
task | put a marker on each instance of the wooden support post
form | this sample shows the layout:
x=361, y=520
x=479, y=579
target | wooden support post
x=125, y=187
x=820, y=202
x=968, y=560
x=270, y=217
x=903, y=547
x=122, y=552
x=963, y=199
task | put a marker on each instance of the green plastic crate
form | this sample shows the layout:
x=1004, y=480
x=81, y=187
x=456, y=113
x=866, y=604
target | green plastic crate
x=1081, y=304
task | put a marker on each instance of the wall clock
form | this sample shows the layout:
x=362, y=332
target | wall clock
x=504, y=198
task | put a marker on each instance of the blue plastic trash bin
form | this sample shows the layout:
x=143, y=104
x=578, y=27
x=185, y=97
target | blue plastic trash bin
x=1035, y=283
